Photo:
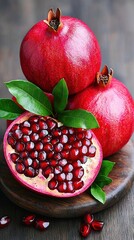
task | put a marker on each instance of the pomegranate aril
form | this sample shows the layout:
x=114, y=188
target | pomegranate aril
x=64, y=131
x=73, y=154
x=30, y=146
x=88, y=134
x=54, y=141
x=78, y=173
x=53, y=162
x=42, y=156
x=42, y=124
x=78, y=184
x=17, y=134
x=91, y=151
x=97, y=225
x=52, y=184
x=11, y=141
x=29, y=219
x=68, y=168
x=20, y=147
x=50, y=155
x=62, y=162
x=58, y=169
x=62, y=187
x=71, y=139
x=70, y=187
x=80, y=135
x=20, y=167
x=46, y=139
x=15, y=127
x=36, y=164
x=71, y=130
x=43, y=164
x=26, y=124
x=4, y=221
x=65, y=154
x=46, y=172
x=56, y=132
x=61, y=177
x=14, y=157
x=77, y=144
x=58, y=147
x=23, y=154
x=34, y=119
x=48, y=147
x=34, y=137
x=67, y=146
x=27, y=162
x=38, y=146
x=69, y=176
x=26, y=130
x=43, y=133
x=86, y=142
x=76, y=164
x=83, y=159
x=88, y=218
x=51, y=124
x=64, y=139
x=41, y=224
x=33, y=154
x=57, y=156
x=31, y=172
x=85, y=229
x=25, y=138
x=83, y=150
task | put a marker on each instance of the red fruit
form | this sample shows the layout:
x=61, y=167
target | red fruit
x=41, y=224
x=60, y=47
x=42, y=166
x=29, y=219
x=113, y=106
x=85, y=230
x=88, y=218
x=4, y=221
x=97, y=225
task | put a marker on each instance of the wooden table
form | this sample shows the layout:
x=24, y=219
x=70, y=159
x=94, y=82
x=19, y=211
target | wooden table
x=112, y=22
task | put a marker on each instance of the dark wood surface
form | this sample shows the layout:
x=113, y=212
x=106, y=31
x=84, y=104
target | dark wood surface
x=122, y=176
x=112, y=22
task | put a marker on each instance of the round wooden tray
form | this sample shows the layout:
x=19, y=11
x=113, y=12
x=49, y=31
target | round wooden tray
x=122, y=175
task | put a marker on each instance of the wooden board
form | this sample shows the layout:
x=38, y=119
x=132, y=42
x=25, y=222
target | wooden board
x=122, y=175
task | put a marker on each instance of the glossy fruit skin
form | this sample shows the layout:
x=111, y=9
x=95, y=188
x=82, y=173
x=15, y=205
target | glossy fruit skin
x=40, y=176
x=113, y=107
x=72, y=52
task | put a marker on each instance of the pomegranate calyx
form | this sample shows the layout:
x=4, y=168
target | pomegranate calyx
x=53, y=20
x=104, y=77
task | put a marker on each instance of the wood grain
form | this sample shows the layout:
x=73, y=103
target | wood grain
x=122, y=175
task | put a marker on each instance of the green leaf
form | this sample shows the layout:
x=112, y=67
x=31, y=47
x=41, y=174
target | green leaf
x=98, y=193
x=60, y=93
x=106, y=167
x=102, y=180
x=30, y=97
x=78, y=118
x=9, y=109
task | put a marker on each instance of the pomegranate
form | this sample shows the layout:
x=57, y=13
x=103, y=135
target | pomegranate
x=97, y=225
x=4, y=221
x=41, y=224
x=111, y=103
x=85, y=229
x=60, y=47
x=49, y=158
x=29, y=220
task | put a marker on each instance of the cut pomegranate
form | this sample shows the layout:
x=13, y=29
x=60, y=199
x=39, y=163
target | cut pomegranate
x=4, y=221
x=63, y=162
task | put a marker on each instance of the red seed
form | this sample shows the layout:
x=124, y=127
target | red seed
x=41, y=224
x=14, y=157
x=88, y=218
x=42, y=124
x=78, y=173
x=27, y=162
x=34, y=137
x=11, y=141
x=58, y=169
x=43, y=133
x=73, y=154
x=85, y=230
x=28, y=220
x=38, y=146
x=30, y=146
x=42, y=156
x=33, y=154
x=20, y=167
x=68, y=168
x=58, y=147
x=48, y=147
x=31, y=172
x=62, y=187
x=18, y=134
x=51, y=124
x=97, y=225
x=46, y=172
x=26, y=130
x=64, y=139
x=61, y=177
x=52, y=184
x=4, y=221
x=20, y=147
x=78, y=184
x=25, y=138
x=92, y=151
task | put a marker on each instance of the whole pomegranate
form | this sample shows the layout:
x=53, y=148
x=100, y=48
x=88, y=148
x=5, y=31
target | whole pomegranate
x=60, y=47
x=49, y=158
x=113, y=106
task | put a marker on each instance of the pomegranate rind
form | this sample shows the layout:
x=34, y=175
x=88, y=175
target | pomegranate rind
x=39, y=184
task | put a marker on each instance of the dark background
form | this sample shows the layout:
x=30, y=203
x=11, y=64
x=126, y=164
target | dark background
x=113, y=25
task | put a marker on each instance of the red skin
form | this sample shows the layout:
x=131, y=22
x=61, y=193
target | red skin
x=72, y=52
x=113, y=106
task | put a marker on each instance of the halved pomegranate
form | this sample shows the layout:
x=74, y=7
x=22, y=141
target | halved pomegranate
x=49, y=158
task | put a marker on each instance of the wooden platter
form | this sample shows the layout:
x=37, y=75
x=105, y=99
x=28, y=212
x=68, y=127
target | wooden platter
x=122, y=175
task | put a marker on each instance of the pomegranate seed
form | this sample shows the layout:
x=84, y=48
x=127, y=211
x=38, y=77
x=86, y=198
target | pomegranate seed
x=34, y=119
x=97, y=225
x=43, y=133
x=26, y=124
x=43, y=164
x=14, y=157
x=71, y=130
x=83, y=159
x=65, y=154
x=29, y=146
x=28, y=220
x=58, y=147
x=83, y=150
x=69, y=176
x=57, y=156
x=46, y=172
x=62, y=187
x=68, y=168
x=20, y=146
x=53, y=162
x=42, y=124
x=36, y=163
x=42, y=156
x=26, y=130
x=25, y=138
x=58, y=170
x=62, y=162
x=41, y=224
x=52, y=184
x=78, y=172
x=48, y=147
x=20, y=168
x=51, y=124
x=67, y=146
x=78, y=184
x=50, y=154
x=61, y=177
x=38, y=146
x=85, y=230
x=27, y=162
x=64, y=139
x=86, y=142
x=54, y=141
x=4, y=221
x=11, y=141
x=56, y=132
x=33, y=154
x=23, y=154
x=70, y=187
x=34, y=137
x=46, y=139
x=88, y=134
x=88, y=218
x=74, y=152
x=72, y=138
x=15, y=127
x=64, y=131
x=76, y=164
x=92, y=151
x=77, y=144
x=80, y=135
x=18, y=134
x=30, y=172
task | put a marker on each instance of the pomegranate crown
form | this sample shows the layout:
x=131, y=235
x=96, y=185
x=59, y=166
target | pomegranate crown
x=105, y=76
x=53, y=20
